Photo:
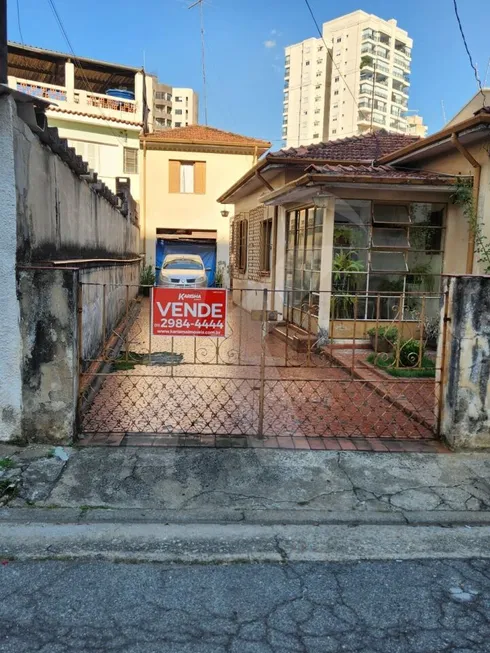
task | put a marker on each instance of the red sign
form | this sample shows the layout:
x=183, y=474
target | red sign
x=189, y=312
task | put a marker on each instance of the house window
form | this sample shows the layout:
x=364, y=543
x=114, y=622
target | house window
x=130, y=161
x=178, y=112
x=241, y=245
x=187, y=177
x=265, y=245
x=397, y=252
x=178, y=98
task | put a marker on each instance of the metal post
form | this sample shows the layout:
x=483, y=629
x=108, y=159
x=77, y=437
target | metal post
x=240, y=312
x=309, y=330
x=150, y=326
x=262, y=366
x=442, y=348
x=79, y=327
x=287, y=330
x=104, y=315
x=127, y=321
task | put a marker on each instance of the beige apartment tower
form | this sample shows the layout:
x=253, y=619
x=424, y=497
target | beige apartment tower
x=361, y=83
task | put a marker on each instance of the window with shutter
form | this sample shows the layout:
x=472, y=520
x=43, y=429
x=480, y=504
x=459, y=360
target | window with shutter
x=130, y=161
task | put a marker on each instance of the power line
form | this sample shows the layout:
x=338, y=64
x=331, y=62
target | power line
x=79, y=64
x=18, y=23
x=475, y=69
x=329, y=53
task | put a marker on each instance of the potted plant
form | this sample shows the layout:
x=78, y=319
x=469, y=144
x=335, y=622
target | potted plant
x=383, y=339
x=147, y=278
x=431, y=332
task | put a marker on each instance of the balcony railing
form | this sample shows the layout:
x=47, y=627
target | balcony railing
x=45, y=91
x=105, y=102
x=399, y=100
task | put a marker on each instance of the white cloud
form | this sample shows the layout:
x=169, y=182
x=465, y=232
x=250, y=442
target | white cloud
x=270, y=43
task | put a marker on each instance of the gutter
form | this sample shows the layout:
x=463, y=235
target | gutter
x=470, y=254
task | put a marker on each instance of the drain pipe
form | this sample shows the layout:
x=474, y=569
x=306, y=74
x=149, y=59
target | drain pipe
x=470, y=256
x=144, y=200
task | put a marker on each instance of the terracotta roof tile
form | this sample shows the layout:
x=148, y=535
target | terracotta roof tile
x=204, y=134
x=383, y=172
x=100, y=116
x=366, y=148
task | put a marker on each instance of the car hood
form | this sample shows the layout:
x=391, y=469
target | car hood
x=183, y=274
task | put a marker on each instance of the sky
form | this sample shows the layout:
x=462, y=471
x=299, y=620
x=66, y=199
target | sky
x=245, y=41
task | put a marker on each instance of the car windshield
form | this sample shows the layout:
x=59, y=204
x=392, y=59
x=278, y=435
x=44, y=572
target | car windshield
x=183, y=264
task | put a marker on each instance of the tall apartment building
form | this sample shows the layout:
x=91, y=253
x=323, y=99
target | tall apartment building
x=361, y=83
x=174, y=107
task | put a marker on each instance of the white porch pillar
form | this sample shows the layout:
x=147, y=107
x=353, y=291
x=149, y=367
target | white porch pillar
x=326, y=268
x=70, y=81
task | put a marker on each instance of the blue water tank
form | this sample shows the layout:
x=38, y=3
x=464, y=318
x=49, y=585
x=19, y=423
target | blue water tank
x=121, y=93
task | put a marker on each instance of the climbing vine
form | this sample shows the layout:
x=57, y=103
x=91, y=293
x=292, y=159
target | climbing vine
x=463, y=196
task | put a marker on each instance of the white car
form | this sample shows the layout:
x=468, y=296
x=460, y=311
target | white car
x=182, y=271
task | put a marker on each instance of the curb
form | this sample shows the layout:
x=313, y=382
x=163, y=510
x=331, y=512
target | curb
x=266, y=517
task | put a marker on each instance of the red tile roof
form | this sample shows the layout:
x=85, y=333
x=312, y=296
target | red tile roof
x=204, y=134
x=381, y=172
x=366, y=148
x=99, y=116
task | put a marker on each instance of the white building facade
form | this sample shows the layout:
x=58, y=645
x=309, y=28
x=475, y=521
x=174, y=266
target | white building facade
x=360, y=84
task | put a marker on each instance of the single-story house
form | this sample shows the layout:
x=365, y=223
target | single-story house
x=358, y=231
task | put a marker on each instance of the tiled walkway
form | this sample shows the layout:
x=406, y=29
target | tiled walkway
x=282, y=442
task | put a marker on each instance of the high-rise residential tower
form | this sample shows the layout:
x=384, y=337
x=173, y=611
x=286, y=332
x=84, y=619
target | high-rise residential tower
x=353, y=80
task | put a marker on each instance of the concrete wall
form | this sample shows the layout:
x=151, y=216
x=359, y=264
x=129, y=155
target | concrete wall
x=10, y=336
x=58, y=215
x=48, y=306
x=121, y=286
x=189, y=210
x=465, y=359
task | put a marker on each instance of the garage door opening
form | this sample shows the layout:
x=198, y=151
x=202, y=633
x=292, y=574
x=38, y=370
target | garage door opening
x=200, y=242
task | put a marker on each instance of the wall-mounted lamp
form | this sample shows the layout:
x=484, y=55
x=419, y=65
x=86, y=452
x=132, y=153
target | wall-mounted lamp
x=225, y=213
x=321, y=201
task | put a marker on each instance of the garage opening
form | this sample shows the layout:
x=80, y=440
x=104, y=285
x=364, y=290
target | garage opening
x=200, y=242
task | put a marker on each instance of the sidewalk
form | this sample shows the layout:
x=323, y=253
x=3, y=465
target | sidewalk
x=257, y=486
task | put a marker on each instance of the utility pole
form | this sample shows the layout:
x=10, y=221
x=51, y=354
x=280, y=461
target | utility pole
x=3, y=42
x=195, y=4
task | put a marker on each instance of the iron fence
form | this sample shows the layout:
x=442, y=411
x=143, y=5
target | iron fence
x=288, y=365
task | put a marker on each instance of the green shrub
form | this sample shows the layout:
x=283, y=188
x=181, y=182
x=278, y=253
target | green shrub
x=410, y=352
x=426, y=370
x=147, y=276
x=389, y=333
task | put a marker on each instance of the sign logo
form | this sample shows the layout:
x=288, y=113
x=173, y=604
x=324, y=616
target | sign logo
x=178, y=312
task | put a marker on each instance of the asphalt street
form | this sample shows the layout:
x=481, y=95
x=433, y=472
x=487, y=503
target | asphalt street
x=430, y=606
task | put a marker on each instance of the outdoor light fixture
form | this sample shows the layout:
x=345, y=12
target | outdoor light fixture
x=225, y=213
x=321, y=201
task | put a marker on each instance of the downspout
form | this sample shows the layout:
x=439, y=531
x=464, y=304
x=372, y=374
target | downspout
x=470, y=256
x=144, y=201
x=274, y=257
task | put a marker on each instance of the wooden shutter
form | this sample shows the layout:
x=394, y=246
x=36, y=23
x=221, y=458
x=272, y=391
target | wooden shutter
x=200, y=177
x=174, y=176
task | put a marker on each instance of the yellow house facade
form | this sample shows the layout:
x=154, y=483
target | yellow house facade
x=183, y=173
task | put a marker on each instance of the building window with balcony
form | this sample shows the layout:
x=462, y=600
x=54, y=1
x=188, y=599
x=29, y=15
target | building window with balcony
x=335, y=92
x=178, y=124
x=169, y=97
x=130, y=166
x=178, y=98
x=307, y=63
x=187, y=177
x=178, y=112
x=169, y=123
x=334, y=131
x=339, y=39
x=286, y=72
x=318, y=73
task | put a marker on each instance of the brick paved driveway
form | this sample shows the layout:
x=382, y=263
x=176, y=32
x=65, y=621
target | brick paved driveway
x=213, y=389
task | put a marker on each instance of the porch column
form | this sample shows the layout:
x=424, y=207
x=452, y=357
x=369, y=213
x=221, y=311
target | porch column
x=70, y=81
x=280, y=245
x=464, y=360
x=326, y=269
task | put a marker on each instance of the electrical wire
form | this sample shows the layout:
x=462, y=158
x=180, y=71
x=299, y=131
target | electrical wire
x=79, y=65
x=475, y=69
x=18, y=23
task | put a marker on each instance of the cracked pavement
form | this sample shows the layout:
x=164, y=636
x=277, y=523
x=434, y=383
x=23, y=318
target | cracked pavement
x=236, y=481
x=430, y=606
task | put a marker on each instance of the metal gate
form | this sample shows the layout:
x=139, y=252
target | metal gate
x=267, y=377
